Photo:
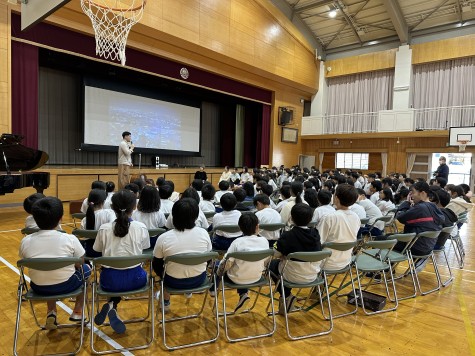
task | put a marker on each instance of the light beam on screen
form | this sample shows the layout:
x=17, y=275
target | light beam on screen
x=154, y=124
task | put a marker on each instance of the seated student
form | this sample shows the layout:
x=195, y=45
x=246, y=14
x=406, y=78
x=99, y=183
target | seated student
x=374, y=189
x=48, y=243
x=134, y=188
x=235, y=177
x=324, y=198
x=27, y=204
x=268, y=190
x=201, y=221
x=148, y=211
x=458, y=204
x=386, y=201
x=310, y=197
x=225, y=175
x=441, y=182
x=267, y=215
x=185, y=237
x=285, y=196
x=223, y=189
x=94, y=185
x=140, y=183
x=175, y=195
x=418, y=214
x=299, y=239
x=240, y=195
x=229, y=216
x=243, y=272
x=296, y=189
x=123, y=237
x=367, y=186
x=110, y=187
x=466, y=191
x=372, y=213
x=201, y=174
x=249, y=188
x=165, y=191
x=401, y=195
x=328, y=185
x=197, y=184
x=96, y=215
x=245, y=175
x=441, y=198
x=387, y=183
x=341, y=226
x=207, y=203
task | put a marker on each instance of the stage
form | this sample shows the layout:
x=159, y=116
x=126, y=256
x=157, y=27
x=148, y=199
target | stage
x=74, y=182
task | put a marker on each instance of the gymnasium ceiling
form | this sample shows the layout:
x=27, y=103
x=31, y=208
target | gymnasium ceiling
x=361, y=23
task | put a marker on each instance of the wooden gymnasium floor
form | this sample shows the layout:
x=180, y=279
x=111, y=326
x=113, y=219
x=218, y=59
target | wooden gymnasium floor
x=440, y=323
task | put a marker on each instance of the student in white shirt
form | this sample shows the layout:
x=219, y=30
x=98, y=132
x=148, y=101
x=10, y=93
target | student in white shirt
x=284, y=196
x=267, y=215
x=201, y=221
x=268, y=190
x=235, y=177
x=225, y=175
x=386, y=201
x=165, y=192
x=223, y=189
x=245, y=176
x=50, y=243
x=207, y=203
x=372, y=213
x=148, y=211
x=27, y=204
x=296, y=189
x=123, y=237
x=341, y=226
x=186, y=237
x=374, y=189
x=243, y=272
x=94, y=185
x=324, y=198
x=230, y=216
x=110, y=187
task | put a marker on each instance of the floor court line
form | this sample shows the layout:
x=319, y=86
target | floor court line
x=465, y=316
x=69, y=311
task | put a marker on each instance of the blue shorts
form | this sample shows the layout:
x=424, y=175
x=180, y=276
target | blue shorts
x=184, y=283
x=221, y=243
x=74, y=282
x=122, y=280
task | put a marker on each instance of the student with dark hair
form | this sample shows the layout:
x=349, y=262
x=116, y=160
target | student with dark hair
x=123, y=237
x=245, y=175
x=366, y=188
x=94, y=185
x=160, y=181
x=243, y=272
x=197, y=184
x=27, y=204
x=374, y=189
x=49, y=243
x=328, y=185
x=235, y=177
x=223, y=189
x=324, y=198
x=134, y=188
x=386, y=201
x=401, y=195
x=110, y=187
x=240, y=195
x=165, y=192
x=268, y=190
x=201, y=174
x=299, y=239
x=229, y=216
x=140, y=183
x=225, y=175
x=458, y=204
x=296, y=189
x=443, y=199
x=201, y=221
x=207, y=203
x=126, y=148
x=267, y=215
x=466, y=191
x=441, y=182
x=372, y=213
x=310, y=196
x=148, y=211
x=249, y=188
x=186, y=237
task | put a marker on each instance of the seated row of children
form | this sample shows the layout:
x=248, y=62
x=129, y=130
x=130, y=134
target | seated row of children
x=126, y=237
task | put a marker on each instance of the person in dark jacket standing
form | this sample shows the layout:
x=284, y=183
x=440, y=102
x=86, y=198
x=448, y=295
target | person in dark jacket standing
x=443, y=169
x=418, y=215
x=201, y=174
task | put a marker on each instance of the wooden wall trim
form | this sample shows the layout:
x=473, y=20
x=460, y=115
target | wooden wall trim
x=451, y=48
x=352, y=150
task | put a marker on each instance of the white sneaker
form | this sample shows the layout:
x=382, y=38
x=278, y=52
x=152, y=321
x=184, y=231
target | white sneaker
x=188, y=295
x=243, y=303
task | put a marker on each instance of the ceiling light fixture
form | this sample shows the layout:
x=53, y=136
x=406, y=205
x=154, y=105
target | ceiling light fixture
x=332, y=14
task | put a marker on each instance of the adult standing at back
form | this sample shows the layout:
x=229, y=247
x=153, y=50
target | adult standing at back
x=126, y=148
x=443, y=169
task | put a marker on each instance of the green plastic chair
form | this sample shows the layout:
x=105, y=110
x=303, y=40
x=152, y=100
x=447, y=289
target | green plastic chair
x=265, y=280
x=386, y=219
x=226, y=228
x=457, y=244
x=272, y=227
x=376, y=261
x=341, y=246
x=392, y=224
x=76, y=217
x=319, y=281
x=98, y=292
x=85, y=234
x=443, y=237
x=398, y=257
x=48, y=264
x=209, y=214
x=431, y=257
x=31, y=230
x=190, y=259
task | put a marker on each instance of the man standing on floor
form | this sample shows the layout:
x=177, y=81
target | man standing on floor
x=126, y=148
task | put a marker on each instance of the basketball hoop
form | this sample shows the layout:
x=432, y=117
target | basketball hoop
x=462, y=145
x=112, y=21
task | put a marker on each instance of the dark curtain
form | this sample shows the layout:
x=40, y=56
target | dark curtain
x=252, y=135
x=25, y=92
x=228, y=138
x=265, y=134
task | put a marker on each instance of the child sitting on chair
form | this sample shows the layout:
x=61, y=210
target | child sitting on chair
x=230, y=216
x=123, y=237
x=30, y=222
x=244, y=272
x=50, y=243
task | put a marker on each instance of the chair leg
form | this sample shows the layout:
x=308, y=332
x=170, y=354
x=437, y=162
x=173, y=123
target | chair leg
x=451, y=277
x=18, y=318
x=436, y=274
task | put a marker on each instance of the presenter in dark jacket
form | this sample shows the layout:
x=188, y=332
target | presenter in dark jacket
x=418, y=214
x=201, y=174
x=443, y=169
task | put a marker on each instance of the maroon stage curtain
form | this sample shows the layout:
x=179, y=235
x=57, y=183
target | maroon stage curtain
x=25, y=92
x=265, y=135
x=228, y=133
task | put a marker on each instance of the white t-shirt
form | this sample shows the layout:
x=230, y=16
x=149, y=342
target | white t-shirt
x=102, y=216
x=321, y=212
x=225, y=176
x=374, y=197
x=207, y=206
x=385, y=206
x=285, y=212
x=51, y=244
x=341, y=226
x=219, y=194
x=227, y=218
x=281, y=205
x=358, y=210
x=108, y=201
x=269, y=216
x=243, y=272
x=30, y=222
x=131, y=244
x=151, y=220
x=372, y=213
x=84, y=206
x=166, y=206
x=173, y=242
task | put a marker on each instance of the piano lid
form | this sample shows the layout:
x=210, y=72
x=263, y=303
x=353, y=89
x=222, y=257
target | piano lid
x=19, y=157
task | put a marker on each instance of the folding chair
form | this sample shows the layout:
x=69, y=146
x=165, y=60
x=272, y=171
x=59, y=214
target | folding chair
x=77, y=217
x=441, y=240
x=249, y=256
x=386, y=219
x=31, y=230
x=341, y=246
x=457, y=244
x=190, y=259
x=152, y=233
x=97, y=292
x=271, y=228
x=374, y=262
x=397, y=257
x=47, y=264
x=392, y=223
x=320, y=280
x=209, y=214
x=224, y=228
x=429, y=235
x=84, y=235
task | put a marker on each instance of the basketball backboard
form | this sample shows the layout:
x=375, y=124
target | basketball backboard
x=34, y=11
x=462, y=133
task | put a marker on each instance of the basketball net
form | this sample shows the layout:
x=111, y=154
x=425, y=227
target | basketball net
x=112, y=21
x=462, y=145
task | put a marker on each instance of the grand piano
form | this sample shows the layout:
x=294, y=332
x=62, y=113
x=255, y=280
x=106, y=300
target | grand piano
x=16, y=161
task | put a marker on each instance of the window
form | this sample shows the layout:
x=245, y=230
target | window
x=352, y=160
